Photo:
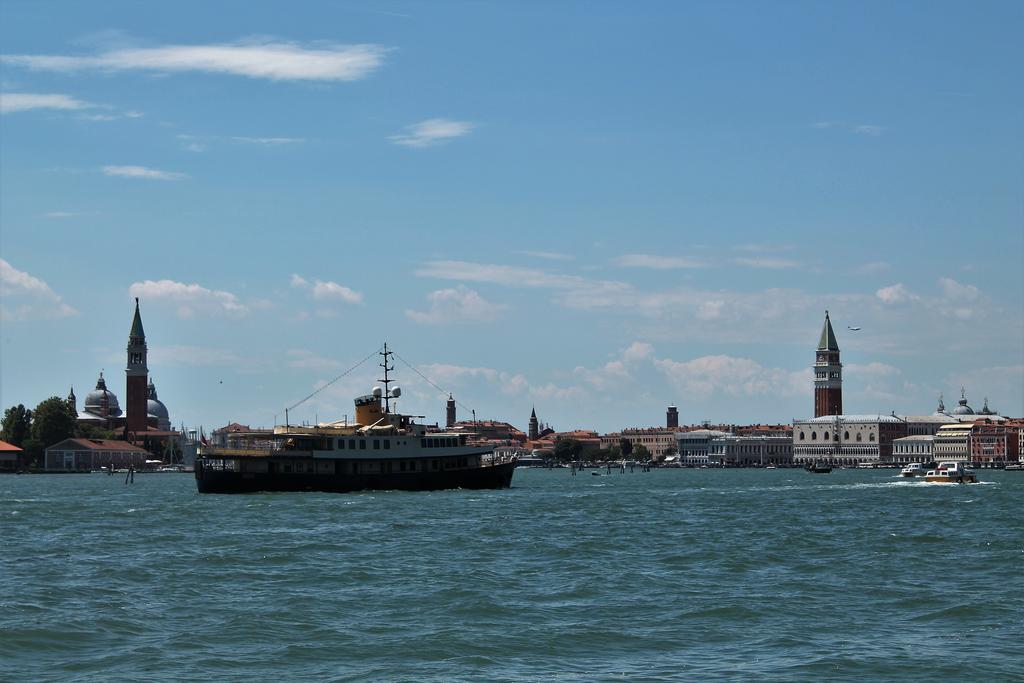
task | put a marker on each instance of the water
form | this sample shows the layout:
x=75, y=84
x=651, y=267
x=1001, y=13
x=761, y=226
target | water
x=660, y=576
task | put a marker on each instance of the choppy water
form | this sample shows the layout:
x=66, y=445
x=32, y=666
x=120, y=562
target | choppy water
x=667, y=575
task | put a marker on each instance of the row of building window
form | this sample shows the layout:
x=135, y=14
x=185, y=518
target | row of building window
x=846, y=436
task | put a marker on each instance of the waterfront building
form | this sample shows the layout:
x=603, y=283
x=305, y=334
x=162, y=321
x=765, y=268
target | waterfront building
x=672, y=418
x=490, y=430
x=694, y=447
x=828, y=374
x=952, y=442
x=10, y=457
x=751, y=450
x=913, y=448
x=846, y=439
x=994, y=444
x=658, y=442
x=87, y=455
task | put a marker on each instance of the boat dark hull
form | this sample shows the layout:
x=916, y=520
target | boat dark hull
x=227, y=481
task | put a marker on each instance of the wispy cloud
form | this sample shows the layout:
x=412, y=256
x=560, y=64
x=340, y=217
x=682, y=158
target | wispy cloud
x=12, y=102
x=548, y=255
x=732, y=376
x=432, y=132
x=895, y=294
x=269, y=142
x=26, y=297
x=142, y=172
x=767, y=262
x=658, y=262
x=322, y=290
x=859, y=128
x=459, y=304
x=278, y=61
x=189, y=298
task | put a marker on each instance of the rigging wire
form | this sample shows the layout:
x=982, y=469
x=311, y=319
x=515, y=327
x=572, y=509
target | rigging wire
x=427, y=380
x=334, y=380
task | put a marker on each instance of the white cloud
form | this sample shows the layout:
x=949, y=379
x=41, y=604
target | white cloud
x=896, y=294
x=26, y=297
x=658, y=262
x=955, y=291
x=142, y=172
x=460, y=304
x=189, y=298
x=11, y=102
x=332, y=291
x=276, y=61
x=512, y=276
x=326, y=291
x=732, y=376
x=432, y=132
x=60, y=214
x=638, y=351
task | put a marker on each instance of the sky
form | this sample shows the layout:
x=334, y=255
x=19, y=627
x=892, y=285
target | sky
x=595, y=209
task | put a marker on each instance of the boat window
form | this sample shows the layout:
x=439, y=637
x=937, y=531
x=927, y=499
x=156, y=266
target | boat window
x=362, y=444
x=376, y=444
x=401, y=466
x=286, y=468
x=341, y=444
x=434, y=464
x=412, y=465
x=387, y=444
x=352, y=443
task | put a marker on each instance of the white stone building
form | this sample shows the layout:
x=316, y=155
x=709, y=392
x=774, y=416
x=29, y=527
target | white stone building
x=846, y=439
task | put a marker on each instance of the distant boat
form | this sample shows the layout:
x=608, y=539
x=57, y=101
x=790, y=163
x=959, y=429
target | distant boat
x=819, y=468
x=1014, y=468
x=951, y=473
x=914, y=469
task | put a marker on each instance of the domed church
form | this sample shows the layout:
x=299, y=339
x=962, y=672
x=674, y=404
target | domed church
x=145, y=411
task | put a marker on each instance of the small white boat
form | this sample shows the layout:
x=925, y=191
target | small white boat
x=951, y=473
x=914, y=469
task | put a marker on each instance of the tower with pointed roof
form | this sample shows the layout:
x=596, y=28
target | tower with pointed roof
x=136, y=389
x=73, y=401
x=828, y=374
x=534, y=432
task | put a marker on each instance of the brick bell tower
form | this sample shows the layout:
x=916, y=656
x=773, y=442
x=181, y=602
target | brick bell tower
x=828, y=374
x=136, y=389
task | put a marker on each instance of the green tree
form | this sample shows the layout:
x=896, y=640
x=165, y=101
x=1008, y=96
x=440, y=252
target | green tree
x=84, y=430
x=626, y=446
x=567, y=449
x=17, y=425
x=641, y=453
x=53, y=421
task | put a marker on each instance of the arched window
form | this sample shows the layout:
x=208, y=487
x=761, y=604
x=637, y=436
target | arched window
x=801, y=436
x=871, y=436
x=825, y=437
x=814, y=436
x=846, y=436
x=860, y=437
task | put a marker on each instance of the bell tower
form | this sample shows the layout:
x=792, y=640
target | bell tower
x=534, y=425
x=449, y=420
x=828, y=374
x=136, y=389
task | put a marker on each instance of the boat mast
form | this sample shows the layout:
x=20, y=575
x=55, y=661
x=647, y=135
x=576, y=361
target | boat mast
x=386, y=381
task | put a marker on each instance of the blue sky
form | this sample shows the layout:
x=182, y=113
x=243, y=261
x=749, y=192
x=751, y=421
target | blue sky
x=595, y=208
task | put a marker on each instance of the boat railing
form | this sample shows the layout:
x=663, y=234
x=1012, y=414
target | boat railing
x=495, y=458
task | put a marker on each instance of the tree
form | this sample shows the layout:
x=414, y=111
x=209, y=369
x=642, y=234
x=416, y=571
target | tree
x=84, y=430
x=53, y=421
x=17, y=425
x=642, y=453
x=567, y=449
x=626, y=446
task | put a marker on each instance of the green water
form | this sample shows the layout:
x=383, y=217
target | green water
x=660, y=576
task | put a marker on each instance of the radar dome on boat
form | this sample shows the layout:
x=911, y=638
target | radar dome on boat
x=377, y=392
x=396, y=392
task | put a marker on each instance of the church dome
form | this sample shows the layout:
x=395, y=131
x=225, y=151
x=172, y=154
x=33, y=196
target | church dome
x=963, y=408
x=95, y=399
x=156, y=408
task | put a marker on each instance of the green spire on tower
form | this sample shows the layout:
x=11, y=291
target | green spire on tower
x=137, y=331
x=828, y=337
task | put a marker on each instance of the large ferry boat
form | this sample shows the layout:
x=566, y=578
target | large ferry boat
x=380, y=450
